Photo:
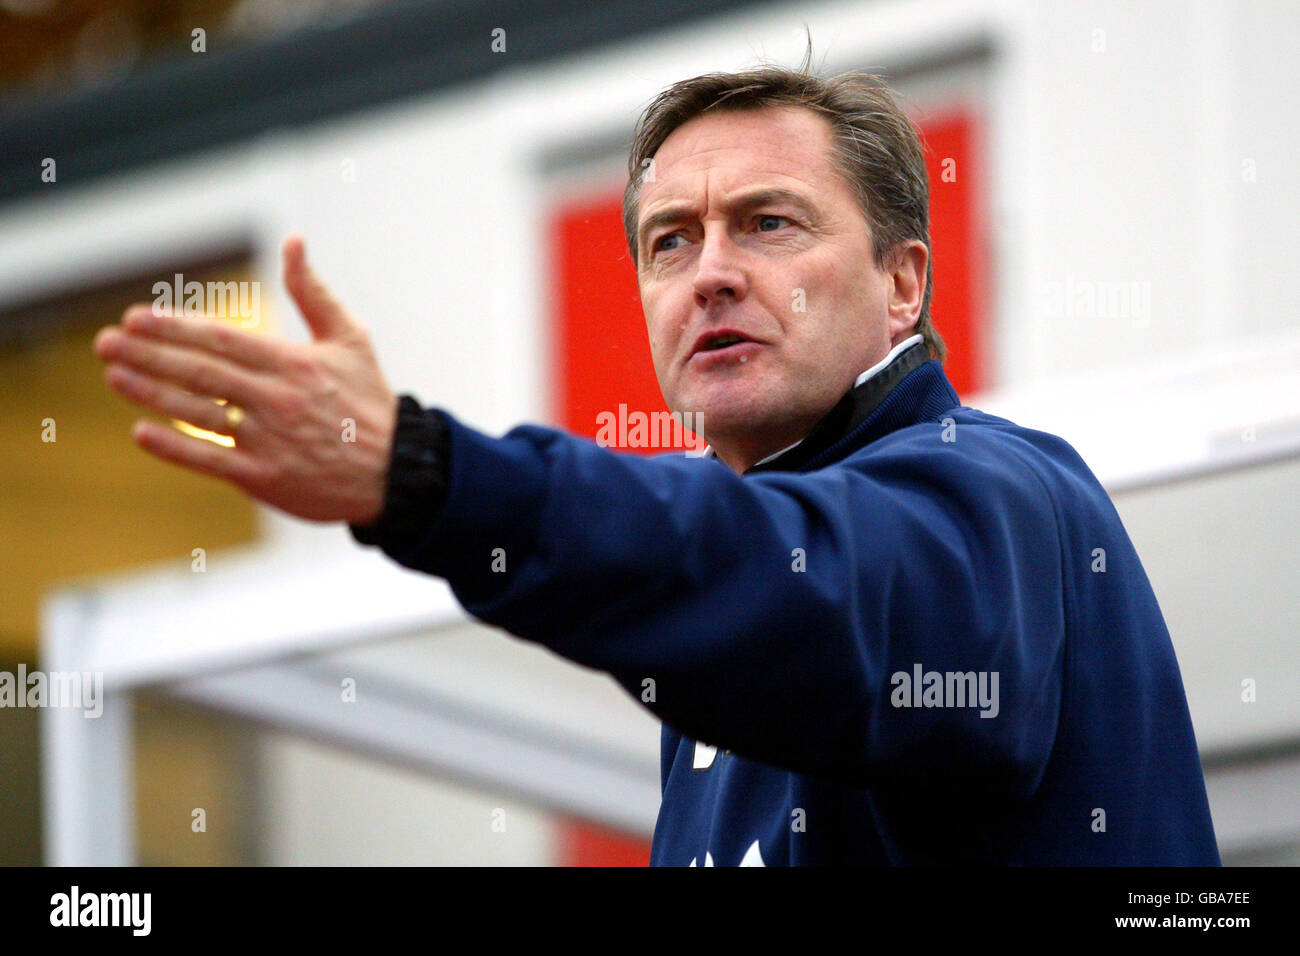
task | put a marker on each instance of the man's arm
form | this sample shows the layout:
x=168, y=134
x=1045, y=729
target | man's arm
x=769, y=614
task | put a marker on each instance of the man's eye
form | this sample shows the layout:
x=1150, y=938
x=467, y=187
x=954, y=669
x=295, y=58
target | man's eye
x=659, y=243
x=764, y=218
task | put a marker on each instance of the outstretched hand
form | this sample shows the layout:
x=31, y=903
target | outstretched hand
x=312, y=422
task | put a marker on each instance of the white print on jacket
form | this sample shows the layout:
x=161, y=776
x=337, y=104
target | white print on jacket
x=751, y=858
x=704, y=755
x=703, y=760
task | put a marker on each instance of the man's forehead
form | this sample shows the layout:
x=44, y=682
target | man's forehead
x=780, y=153
x=788, y=140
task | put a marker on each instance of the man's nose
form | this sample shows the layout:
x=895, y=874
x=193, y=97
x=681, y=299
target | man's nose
x=720, y=269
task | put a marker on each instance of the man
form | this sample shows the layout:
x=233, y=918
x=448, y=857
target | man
x=879, y=626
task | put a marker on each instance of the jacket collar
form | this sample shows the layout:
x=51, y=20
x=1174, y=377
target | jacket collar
x=909, y=388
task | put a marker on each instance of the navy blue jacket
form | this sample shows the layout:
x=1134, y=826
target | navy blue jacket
x=921, y=636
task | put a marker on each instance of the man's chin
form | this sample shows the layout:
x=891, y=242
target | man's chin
x=733, y=402
x=717, y=421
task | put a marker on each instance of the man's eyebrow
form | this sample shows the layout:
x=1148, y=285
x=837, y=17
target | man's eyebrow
x=768, y=195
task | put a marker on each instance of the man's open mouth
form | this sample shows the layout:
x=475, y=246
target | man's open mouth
x=716, y=340
x=722, y=341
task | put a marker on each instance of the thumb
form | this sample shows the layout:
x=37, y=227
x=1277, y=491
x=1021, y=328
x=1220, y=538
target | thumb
x=326, y=318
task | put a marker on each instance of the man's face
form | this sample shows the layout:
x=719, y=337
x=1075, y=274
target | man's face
x=790, y=272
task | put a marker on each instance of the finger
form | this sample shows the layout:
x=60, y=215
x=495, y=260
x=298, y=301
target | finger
x=196, y=454
x=167, y=400
x=323, y=313
x=193, y=370
x=212, y=335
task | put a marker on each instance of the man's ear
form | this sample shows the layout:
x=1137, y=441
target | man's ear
x=907, y=290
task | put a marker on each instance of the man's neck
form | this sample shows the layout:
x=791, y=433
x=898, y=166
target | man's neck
x=742, y=454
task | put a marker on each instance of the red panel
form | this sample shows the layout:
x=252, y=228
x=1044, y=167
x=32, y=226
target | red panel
x=585, y=844
x=603, y=355
x=602, y=358
x=956, y=243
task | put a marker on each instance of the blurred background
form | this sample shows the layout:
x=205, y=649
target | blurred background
x=1113, y=218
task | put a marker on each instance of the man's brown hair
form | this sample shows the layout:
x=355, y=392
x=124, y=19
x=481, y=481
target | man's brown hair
x=875, y=147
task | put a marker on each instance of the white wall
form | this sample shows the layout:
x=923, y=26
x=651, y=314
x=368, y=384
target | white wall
x=1139, y=120
x=327, y=807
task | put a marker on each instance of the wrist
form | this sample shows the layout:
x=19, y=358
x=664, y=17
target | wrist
x=415, y=483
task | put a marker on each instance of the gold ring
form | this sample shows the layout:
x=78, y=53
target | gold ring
x=234, y=418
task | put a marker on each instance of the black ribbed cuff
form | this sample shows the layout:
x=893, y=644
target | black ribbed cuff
x=417, y=480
